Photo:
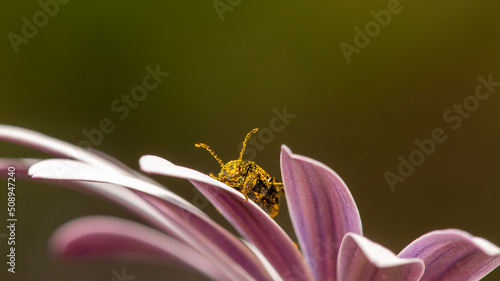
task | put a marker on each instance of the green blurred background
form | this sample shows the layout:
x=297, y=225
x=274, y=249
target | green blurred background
x=227, y=74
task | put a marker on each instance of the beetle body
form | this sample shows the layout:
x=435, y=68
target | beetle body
x=250, y=179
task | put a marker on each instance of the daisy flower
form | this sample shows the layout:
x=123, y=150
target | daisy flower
x=323, y=212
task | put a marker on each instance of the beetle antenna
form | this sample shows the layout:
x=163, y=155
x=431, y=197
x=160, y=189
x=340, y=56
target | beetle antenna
x=245, y=142
x=211, y=152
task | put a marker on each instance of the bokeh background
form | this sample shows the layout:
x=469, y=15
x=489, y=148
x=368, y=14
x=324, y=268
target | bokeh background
x=230, y=72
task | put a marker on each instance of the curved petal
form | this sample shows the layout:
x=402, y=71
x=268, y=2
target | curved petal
x=363, y=260
x=65, y=169
x=100, y=237
x=274, y=274
x=321, y=208
x=453, y=254
x=21, y=164
x=231, y=248
x=57, y=147
x=253, y=223
x=170, y=213
x=117, y=194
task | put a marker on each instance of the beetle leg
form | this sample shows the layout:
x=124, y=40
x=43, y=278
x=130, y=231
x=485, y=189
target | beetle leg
x=247, y=187
x=279, y=187
x=212, y=176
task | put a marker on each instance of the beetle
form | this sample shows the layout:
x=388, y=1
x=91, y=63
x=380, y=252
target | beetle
x=250, y=179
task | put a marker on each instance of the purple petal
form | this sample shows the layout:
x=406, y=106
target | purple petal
x=269, y=267
x=65, y=169
x=363, y=260
x=118, y=194
x=453, y=254
x=230, y=251
x=321, y=208
x=21, y=164
x=170, y=213
x=253, y=223
x=107, y=237
x=57, y=147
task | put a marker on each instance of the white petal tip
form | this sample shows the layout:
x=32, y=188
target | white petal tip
x=148, y=162
x=286, y=149
x=377, y=254
x=486, y=246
